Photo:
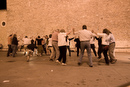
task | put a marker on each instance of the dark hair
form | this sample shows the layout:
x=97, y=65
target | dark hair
x=32, y=41
x=50, y=35
x=10, y=35
x=84, y=27
x=106, y=31
x=109, y=31
x=26, y=36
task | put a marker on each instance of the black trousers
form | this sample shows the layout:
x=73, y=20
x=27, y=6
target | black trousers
x=99, y=51
x=9, y=50
x=104, y=50
x=78, y=47
x=93, y=48
x=62, y=53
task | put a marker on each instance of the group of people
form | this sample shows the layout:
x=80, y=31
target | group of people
x=15, y=43
x=106, y=42
x=58, y=42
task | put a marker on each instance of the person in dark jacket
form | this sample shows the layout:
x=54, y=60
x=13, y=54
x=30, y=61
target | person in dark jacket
x=77, y=45
x=14, y=44
x=99, y=46
x=39, y=41
x=30, y=50
x=68, y=44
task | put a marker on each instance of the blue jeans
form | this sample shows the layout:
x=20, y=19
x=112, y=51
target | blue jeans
x=85, y=45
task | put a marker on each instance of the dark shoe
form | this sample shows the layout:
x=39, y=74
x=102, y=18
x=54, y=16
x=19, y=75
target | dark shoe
x=90, y=65
x=79, y=64
x=99, y=57
x=107, y=64
x=51, y=59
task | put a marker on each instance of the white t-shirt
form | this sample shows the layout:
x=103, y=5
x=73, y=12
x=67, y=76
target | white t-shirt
x=50, y=42
x=26, y=41
x=62, y=39
x=111, y=38
x=104, y=38
x=92, y=41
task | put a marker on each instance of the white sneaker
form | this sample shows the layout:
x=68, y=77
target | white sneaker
x=63, y=64
x=57, y=61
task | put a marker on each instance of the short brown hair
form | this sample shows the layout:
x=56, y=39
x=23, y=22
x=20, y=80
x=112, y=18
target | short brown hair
x=62, y=30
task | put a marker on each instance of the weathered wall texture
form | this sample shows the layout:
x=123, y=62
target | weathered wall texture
x=41, y=17
x=3, y=29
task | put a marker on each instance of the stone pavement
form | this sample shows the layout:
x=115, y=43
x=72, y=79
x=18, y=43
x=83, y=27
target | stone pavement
x=40, y=72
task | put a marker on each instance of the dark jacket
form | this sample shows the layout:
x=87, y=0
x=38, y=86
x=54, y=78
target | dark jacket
x=31, y=46
x=14, y=41
x=77, y=42
x=99, y=41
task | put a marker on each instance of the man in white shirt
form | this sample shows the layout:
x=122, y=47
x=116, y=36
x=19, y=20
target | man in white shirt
x=111, y=41
x=84, y=37
x=26, y=42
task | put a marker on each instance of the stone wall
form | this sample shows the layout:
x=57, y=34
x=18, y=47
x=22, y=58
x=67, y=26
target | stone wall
x=41, y=17
x=3, y=29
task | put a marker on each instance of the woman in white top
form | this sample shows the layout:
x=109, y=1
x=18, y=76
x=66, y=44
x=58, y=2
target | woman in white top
x=105, y=44
x=62, y=46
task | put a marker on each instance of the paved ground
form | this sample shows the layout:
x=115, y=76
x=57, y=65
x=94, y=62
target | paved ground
x=40, y=72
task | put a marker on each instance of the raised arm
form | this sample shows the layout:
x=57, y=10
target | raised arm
x=69, y=32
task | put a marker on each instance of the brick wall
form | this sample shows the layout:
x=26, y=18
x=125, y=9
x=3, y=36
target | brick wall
x=41, y=17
